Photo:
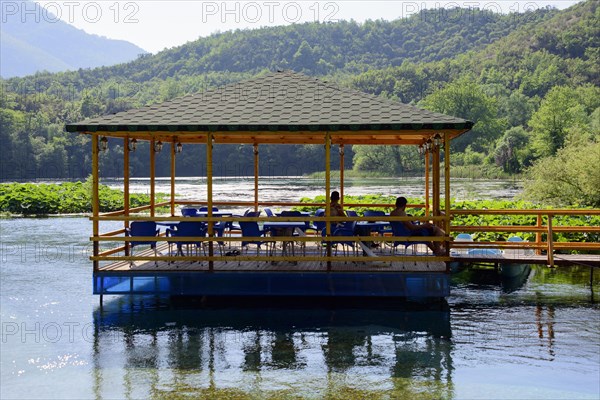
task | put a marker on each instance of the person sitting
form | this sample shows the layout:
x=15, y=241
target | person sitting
x=425, y=229
x=336, y=208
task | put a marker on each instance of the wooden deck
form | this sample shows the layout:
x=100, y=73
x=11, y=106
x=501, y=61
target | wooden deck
x=233, y=264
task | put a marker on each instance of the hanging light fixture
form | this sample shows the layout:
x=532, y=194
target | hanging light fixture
x=437, y=140
x=178, y=147
x=428, y=145
x=103, y=144
x=132, y=145
x=158, y=146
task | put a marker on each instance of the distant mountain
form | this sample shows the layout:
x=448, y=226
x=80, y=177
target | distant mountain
x=48, y=44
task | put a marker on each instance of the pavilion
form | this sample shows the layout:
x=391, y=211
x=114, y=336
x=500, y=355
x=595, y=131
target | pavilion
x=276, y=108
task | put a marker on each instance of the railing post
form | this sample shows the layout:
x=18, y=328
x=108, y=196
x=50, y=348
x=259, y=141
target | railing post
x=550, y=243
x=538, y=236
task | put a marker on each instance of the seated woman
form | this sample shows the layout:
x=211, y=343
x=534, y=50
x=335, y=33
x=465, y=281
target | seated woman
x=425, y=229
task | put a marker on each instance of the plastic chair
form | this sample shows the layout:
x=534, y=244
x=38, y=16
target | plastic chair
x=189, y=212
x=268, y=212
x=251, y=229
x=351, y=213
x=188, y=229
x=347, y=230
x=399, y=229
x=142, y=228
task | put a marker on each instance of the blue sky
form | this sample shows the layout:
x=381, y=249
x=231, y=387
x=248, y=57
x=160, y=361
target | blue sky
x=158, y=24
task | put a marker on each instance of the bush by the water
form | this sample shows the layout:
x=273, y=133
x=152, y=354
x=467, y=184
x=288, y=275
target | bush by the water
x=63, y=198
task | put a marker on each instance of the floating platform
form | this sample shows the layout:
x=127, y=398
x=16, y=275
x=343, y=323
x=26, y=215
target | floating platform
x=415, y=280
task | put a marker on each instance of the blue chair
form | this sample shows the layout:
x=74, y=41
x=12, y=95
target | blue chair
x=319, y=225
x=268, y=212
x=189, y=212
x=251, y=229
x=399, y=229
x=351, y=213
x=205, y=209
x=188, y=229
x=346, y=230
x=139, y=229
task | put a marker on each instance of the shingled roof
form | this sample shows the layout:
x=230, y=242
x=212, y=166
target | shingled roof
x=291, y=105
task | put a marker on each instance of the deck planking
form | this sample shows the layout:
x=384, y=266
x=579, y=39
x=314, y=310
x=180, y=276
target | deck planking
x=233, y=264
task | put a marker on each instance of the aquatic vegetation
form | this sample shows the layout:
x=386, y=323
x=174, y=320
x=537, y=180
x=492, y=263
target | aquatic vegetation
x=62, y=198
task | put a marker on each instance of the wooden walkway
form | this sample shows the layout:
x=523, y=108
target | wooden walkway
x=590, y=260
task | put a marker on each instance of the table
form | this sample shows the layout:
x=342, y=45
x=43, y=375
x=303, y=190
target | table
x=285, y=228
x=214, y=214
x=367, y=227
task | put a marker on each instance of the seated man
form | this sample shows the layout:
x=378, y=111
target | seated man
x=425, y=229
x=336, y=208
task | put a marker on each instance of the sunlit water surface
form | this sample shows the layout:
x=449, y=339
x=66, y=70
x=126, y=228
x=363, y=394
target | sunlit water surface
x=294, y=188
x=534, y=338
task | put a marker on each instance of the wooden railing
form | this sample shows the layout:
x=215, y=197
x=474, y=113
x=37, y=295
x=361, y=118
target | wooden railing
x=543, y=233
x=539, y=229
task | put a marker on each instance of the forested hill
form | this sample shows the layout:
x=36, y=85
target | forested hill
x=503, y=71
x=321, y=48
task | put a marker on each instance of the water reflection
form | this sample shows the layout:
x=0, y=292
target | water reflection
x=165, y=347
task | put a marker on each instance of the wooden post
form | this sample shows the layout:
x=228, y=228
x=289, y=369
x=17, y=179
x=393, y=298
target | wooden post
x=538, y=235
x=427, y=183
x=436, y=181
x=327, y=194
x=126, y=187
x=152, y=171
x=255, y=150
x=550, y=243
x=209, y=194
x=95, y=200
x=342, y=174
x=447, y=190
x=173, y=144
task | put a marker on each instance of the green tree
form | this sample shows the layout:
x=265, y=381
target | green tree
x=562, y=109
x=466, y=99
x=510, y=152
x=387, y=160
x=569, y=178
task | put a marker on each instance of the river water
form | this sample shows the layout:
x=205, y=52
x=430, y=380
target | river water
x=534, y=338
x=293, y=188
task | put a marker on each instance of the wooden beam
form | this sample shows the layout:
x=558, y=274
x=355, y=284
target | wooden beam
x=255, y=152
x=341, y=174
x=427, y=162
x=173, y=144
x=95, y=199
x=126, y=185
x=447, y=183
x=327, y=193
x=209, y=194
x=152, y=178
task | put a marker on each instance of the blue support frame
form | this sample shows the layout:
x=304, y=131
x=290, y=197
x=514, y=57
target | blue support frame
x=325, y=284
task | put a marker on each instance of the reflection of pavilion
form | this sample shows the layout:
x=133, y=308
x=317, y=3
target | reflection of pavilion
x=262, y=350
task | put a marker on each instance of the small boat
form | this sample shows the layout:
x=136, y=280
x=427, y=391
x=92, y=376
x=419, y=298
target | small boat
x=513, y=270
